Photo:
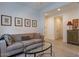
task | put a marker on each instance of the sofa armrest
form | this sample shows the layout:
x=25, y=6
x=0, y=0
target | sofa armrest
x=2, y=48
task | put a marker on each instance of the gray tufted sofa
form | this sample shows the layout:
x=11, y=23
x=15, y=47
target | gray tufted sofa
x=21, y=41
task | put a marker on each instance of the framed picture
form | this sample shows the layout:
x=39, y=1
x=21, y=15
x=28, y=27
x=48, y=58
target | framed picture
x=78, y=23
x=27, y=22
x=75, y=23
x=6, y=20
x=34, y=23
x=18, y=21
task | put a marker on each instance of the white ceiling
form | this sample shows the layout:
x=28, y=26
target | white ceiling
x=40, y=6
x=34, y=7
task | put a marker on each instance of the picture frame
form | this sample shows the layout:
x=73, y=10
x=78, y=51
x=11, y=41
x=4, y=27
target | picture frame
x=6, y=20
x=34, y=23
x=18, y=21
x=75, y=23
x=27, y=23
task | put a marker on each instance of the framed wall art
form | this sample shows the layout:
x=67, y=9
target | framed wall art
x=18, y=21
x=34, y=23
x=75, y=23
x=27, y=22
x=6, y=20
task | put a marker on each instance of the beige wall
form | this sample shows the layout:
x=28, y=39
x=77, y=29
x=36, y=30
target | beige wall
x=17, y=10
x=68, y=12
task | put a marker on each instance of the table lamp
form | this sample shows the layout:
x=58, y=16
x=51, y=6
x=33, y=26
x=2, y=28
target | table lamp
x=69, y=24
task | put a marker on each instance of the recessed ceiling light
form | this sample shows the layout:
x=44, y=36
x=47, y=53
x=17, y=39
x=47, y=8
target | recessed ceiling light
x=58, y=9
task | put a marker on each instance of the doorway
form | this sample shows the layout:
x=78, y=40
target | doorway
x=58, y=27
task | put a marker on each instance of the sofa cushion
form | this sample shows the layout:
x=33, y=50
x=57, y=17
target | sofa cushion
x=15, y=46
x=17, y=37
x=32, y=41
x=36, y=35
x=28, y=34
x=24, y=38
x=14, y=52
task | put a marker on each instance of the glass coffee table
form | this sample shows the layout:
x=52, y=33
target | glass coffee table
x=41, y=48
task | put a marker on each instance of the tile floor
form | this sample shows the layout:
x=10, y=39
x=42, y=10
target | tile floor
x=65, y=50
x=61, y=50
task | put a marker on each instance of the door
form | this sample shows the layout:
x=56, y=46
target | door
x=58, y=27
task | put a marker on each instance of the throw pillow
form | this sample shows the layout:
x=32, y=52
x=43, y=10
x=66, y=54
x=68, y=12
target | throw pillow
x=36, y=35
x=25, y=38
x=2, y=38
x=9, y=39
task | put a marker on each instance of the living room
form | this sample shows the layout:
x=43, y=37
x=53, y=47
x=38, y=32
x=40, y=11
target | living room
x=36, y=20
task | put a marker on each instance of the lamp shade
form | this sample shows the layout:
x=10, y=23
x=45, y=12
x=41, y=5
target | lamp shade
x=69, y=23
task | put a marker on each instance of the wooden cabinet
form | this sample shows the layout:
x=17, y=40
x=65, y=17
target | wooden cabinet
x=73, y=36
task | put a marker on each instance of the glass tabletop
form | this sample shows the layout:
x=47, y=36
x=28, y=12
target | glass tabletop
x=40, y=48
